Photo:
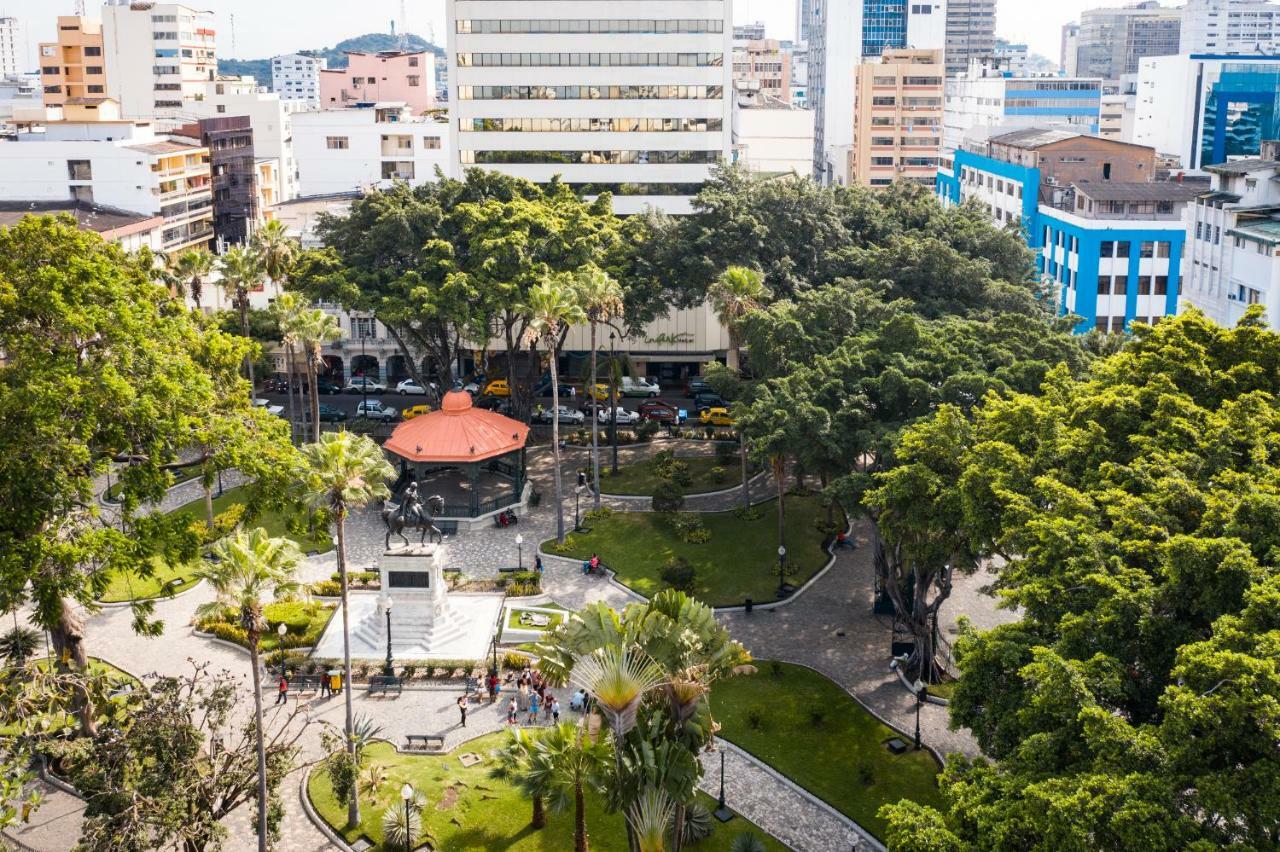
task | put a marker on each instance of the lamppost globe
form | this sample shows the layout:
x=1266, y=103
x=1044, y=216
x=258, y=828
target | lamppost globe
x=386, y=603
x=281, y=630
x=519, y=539
x=782, y=551
x=406, y=792
x=519, y=552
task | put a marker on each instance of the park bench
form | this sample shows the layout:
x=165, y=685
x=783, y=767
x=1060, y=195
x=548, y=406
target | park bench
x=306, y=683
x=424, y=742
x=384, y=684
x=175, y=583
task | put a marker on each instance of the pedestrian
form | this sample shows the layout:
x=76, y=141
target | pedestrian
x=533, y=709
x=511, y=712
x=523, y=696
x=282, y=697
x=595, y=564
x=555, y=710
x=324, y=686
x=462, y=710
x=537, y=563
x=492, y=683
x=547, y=701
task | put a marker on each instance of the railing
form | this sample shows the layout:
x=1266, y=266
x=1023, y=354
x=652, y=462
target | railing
x=462, y=510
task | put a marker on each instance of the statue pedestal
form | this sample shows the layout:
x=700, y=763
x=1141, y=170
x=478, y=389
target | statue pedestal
x=421, y=617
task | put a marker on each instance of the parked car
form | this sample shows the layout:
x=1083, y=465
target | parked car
x=565, y=414
x=323, y=386
x=639, y=387
x=267, y=404
x=703, y=401
x=411, y=387
x=493, y=403
x=497, y=387
x=659, y=411
x=716, y=417
x=543, y=388
x=375, y=410
x=363, y=384
x=328, y=414
x=415, y=411
x=695, y=386
x=625, y=417
x=600, y=392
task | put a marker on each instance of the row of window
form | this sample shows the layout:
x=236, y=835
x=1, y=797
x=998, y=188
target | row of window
x=907, y=141
x=342, y=143
x=588, y=93
x=1108, y=248
x=412, y=79
x=1118, y=285
x=907, y=81
x=590, y=157
x=591, y=125
x=906, y=121
x=557, y=60
x=54, y=70
x=1074, y=103
x=891, y=100
x=57, y=90
x=914, y=162
x=1208, y=233
x=651, y=25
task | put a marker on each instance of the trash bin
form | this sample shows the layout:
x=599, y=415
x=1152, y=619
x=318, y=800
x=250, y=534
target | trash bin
x=335, y=679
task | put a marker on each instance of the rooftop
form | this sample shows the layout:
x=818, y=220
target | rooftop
x=90, y=217
x=1031, y=138
x=457, y=433
x=1241, y=167
x=1154, y=191
x=164, y=147
x=1261, y=230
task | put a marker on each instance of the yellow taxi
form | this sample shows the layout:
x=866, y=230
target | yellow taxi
x=415, y=411
x=600, y=392
x=498, y=387
x=716, y=417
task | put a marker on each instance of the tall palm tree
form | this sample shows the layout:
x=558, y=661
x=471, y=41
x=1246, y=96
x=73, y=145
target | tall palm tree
x=241, y=272
x=277, y=250
x=249, y=566
x=552, y=307
x=315, y=328
x=287, y=308
x=601, y=300
x=345, y=471
x=193, y=267
x=737, y=292
x=512, y=767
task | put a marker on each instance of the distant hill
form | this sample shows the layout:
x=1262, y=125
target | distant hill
x=260, y=69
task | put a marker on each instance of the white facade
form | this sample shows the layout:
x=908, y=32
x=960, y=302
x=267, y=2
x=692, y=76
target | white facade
x=13, y=49
x=18, y=93
x=295, y=77
x=270, y=116
x=601, y=94
x=985, y=98
x=156, y=55
x=1230, y=26
x=301, y=215
x=1233, y=244
x=341, y=151
x=927, y=25
x=773, y=137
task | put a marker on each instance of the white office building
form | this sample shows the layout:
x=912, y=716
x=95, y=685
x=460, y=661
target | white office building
x=346, y=150
x=13, y=48
x=1233, y=242
x=295, y=77
x=770, y=136
x=155, y=55
x=986, y=98
x=1230, y=27
x=624, y=94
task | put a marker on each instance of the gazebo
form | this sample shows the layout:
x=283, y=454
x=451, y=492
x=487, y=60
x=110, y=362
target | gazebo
x=486, y=448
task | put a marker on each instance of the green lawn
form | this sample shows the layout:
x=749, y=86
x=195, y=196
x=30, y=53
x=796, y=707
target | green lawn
x=640, y=478
x=467, y=810
x=127, y=586
x=513, y=620
x=740, y=561
x=840, y=757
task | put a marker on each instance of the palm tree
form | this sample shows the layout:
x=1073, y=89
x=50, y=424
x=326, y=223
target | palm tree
x=650, y=817
x=557, y=767
x=551, y=308
x=315, y=328
x=344, y=471
x=287, y=308
x=512, y=765
x=248, y=566
x=241, y=272
x=192, y=267
x=737, y=292
x=601, y=300
x=277, y=250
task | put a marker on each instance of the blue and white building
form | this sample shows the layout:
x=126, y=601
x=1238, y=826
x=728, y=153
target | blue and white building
x=1109, y=241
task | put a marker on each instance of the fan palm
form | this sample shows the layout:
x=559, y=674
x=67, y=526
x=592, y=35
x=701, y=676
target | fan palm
x=559, y=765
x=287, y=308
x=314, y=329
x=737, y=292
x=343, y=471
x=18, y=645
x=192, y=268
x=241, y=272
x=277, y=250
x=512, y=767
x=650, y=817
x=552, y=307
x=601, y=300
x=248, y=567
x=402, y=822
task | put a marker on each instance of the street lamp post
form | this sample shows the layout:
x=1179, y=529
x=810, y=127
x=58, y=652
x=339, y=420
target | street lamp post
x=722, y=811
x=782, y=570
x=406, y=796
x=519, y=552
x=389, y=668
x=364, y=386
x=493, y=649
x=281, y=630
x=922, y=692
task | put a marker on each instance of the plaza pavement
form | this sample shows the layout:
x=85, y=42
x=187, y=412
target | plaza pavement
x=829, y=627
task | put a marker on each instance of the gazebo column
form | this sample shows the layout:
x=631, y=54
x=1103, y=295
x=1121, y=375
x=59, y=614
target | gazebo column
x=473, y=476
x=520, y=473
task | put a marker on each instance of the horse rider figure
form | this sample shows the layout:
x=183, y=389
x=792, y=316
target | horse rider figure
x=411, y=513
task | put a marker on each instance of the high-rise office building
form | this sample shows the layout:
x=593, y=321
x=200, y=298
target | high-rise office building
x=804, y=13
x=612, y=97
x=296, y=77
x=1112, y=42
x=155, y=55
x=1230, y=26
x=72, y=67
x=1070, y=45
x=12, y=48
x=971, y=32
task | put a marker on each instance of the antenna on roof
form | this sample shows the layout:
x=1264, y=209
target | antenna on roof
x=233, y=34
x=404, y=26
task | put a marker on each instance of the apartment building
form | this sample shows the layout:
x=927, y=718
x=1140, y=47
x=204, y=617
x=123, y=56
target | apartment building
x=340, y=151
x=234, y=170
x=18, y=95
x=73, y=66
x=116, y=163
x=1205, y=109
x=156, y=55
x=1230, y=27
x=970, y=33
x=1233, y=241
x=1108, y=239
x=606, y=96
x=771, y=136
x=296, y=77
x=898, y=118
x=1113, y=42
x=986, y=96
x=13, y=48
x=767, y=65
x=389, y=76
x=1016, y=57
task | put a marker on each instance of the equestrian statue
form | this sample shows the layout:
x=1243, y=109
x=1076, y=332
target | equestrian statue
x=413, y=512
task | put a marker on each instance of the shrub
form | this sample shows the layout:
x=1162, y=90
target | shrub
x=749, y=514
x=646, y=429
x=294, y=615
x=717, y=474
x=697, y=823
x=567, y=547
x=678, y=574
x=746, y=842
x=661, y=459
x=682, y=522
x=227, y=632
x=511, y=660
x=600, y=514
x=678, y=472
x=326, y=589
x=408, y=671
x=701, y=535
x=225, y=522
x=755, y=720
x=523, y=590
x=668, y=497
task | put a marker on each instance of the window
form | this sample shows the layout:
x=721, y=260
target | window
x=1144, y=285
x=413, y=62
x=1117, y=325
x=1122, y=249
x=82, y=193
x=1147, y=249
x=1121, y=285
x=1162, y=249
x=363, y=328
x=338, y=143
x=1107, y=248
x=51, y=69
x=93, y=51
x=1104, y=285
x=93, y=69
x=79, y=170
x=415, y=80
x=431, y=143
x=1162, y=285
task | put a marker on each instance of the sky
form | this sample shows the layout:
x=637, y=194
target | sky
x=264, y=28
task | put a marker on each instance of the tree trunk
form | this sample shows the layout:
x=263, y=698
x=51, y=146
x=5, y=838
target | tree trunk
x=595, y=422
x=353, y=806
x=613, y=415
x=208, y=500
x=260, y=744
x=242, y=302
x=539, y=819
x=196, y=287
x=290, y=378
x=555, y=445
x=579, y=819
x=313, y=369
x=67, y=636
x=746, y=476
x=677, y=832
x=780, y=474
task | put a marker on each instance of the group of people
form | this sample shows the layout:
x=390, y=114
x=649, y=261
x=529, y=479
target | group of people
x=530, y=695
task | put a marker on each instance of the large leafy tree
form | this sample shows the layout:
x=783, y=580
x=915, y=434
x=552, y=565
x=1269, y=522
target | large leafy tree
x=1136, y=703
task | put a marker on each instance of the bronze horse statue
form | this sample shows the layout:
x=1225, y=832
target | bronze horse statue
x=413, y=512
